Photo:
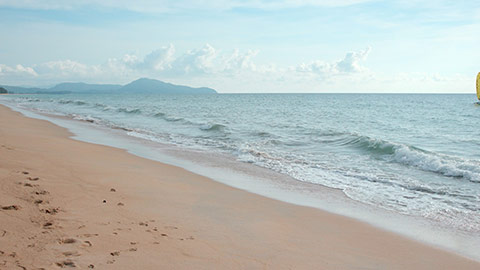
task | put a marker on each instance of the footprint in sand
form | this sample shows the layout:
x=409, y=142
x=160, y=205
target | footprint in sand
x=188, y=238
x=66, y=263
x=87, y=235
x=33, y=178
x=47, y=225
x=51, y=211
x=41, y=192
x=67, y=241
x=87, y=243
x=6, y=147
x=10, y=207
x=25, y=172
x=38, y=201
x=71, y=253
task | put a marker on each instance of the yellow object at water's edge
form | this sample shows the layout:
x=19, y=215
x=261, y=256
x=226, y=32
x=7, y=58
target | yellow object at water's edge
x=478, y=86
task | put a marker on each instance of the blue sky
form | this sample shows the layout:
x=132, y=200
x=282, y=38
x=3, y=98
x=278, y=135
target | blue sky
x=245, y=45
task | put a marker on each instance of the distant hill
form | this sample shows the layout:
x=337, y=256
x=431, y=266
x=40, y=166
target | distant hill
x=142, y=85
x=85, y=87
x=3, y=90
x=145, y=85
x=21, y=90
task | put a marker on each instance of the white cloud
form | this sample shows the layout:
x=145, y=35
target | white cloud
x=195, y=62
x=160, y=59
x=65, y=68
x=237, y=62
x=316, y=67
x=17, y=71
x=351, y=63
x=159, y=63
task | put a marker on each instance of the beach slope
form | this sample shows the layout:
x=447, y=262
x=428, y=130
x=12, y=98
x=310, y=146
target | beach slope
x=66, y=203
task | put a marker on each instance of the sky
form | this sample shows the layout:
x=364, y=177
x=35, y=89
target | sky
x=245, y=46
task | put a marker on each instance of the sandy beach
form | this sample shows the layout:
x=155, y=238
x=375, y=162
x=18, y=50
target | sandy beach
x=65, y=203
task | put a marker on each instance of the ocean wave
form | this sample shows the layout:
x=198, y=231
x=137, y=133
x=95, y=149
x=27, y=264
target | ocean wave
x=102, y=106
x=173, y=119
x=167, y=118
x=438, y=163
x=408, y=155
x=159, y=115
x=129, y=111
x=32, y=99
x=86, y=118
x=120, y=128
x=213, y=127
x=263, y=134
x=75, y=102
x=99, y=121
x=371, y=145
x=251, y=154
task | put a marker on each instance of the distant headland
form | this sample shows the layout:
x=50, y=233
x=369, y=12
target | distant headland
x=142, y=85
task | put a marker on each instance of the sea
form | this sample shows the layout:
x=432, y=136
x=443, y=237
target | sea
x=409, y=163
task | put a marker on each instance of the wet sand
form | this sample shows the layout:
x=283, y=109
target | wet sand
x=65, y=203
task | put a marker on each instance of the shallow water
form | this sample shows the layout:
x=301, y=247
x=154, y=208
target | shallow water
x=412, y=154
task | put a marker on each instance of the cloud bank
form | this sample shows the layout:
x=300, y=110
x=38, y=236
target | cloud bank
x=164, y=61
x=231, y=71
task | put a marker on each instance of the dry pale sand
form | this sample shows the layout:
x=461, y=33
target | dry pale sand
x=66, y=203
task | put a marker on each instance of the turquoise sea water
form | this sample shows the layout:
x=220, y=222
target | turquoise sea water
x=413, y=154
